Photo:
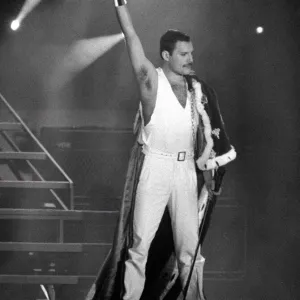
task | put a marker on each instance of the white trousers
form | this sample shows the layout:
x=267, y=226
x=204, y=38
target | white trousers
x=164, y=181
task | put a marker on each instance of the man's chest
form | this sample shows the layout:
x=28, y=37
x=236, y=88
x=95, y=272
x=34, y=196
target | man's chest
x=180, y=92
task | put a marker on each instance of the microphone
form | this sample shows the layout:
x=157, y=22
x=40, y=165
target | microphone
x=192, y=75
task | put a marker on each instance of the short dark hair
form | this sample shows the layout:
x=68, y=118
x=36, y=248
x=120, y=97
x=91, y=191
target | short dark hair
x=169, y=39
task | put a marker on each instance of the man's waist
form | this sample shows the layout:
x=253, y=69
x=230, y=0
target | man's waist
x=178, y=155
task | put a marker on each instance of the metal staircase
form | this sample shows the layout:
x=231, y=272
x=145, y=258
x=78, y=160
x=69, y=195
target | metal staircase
x=66, y=253
x=13, y=153
x=50, y=245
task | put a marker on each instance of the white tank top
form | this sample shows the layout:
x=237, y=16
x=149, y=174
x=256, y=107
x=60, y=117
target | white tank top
x=170, y=126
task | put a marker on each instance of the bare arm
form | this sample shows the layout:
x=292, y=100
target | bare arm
x=144, y=70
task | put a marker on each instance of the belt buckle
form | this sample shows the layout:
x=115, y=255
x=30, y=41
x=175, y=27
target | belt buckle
x=181, y=156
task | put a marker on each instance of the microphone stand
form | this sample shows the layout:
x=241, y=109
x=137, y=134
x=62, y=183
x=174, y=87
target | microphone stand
x=211, y=201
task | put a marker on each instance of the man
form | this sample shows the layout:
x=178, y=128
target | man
x=172, y=121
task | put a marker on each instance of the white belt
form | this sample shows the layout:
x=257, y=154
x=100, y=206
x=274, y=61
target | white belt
x=179, y=156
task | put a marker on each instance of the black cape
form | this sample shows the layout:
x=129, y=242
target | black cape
x=161, y=260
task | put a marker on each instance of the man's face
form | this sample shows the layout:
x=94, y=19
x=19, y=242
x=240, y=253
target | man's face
x=181, y=60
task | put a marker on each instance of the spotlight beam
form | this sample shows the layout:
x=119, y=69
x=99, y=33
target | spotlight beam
x=27, y=8
x=85, y=52
x=80, y=55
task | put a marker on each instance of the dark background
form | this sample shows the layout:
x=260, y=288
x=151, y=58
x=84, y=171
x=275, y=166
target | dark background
x=256, y=78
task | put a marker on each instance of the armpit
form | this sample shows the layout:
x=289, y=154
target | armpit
x=143, y=78
x=142, y=74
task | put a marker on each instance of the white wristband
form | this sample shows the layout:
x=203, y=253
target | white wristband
x=120, y=2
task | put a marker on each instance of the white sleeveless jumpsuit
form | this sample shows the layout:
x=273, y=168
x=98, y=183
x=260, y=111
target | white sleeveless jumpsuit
x=166, y=181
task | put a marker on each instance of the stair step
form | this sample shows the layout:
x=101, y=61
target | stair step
x=38, y=279
x=41, y=247
x=102, y=217
x=57, y=226
x=10, y=126
x=51, y=247
x=34, y=262
x=34, y=184
x=23, y=155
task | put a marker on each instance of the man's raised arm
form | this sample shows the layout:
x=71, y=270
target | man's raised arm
x=143, y=68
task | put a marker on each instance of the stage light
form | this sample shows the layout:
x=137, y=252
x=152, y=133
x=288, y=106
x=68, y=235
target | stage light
x=15, y=24
x=28, y=6
x=259, y=30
